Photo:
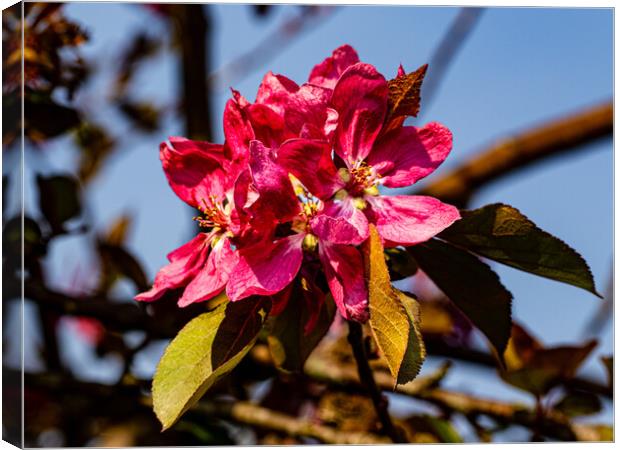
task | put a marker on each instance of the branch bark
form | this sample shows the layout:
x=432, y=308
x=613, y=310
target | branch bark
x=514, y=153
x=356, y=340
x=193, y=30
x=250, y=414
x=127, y=316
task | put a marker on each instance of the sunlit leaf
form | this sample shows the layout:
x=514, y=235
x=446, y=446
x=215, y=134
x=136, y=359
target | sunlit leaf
x=472, y=286
x=501, y=233
x=204, y=351
x=415, y=353
x=394, y=325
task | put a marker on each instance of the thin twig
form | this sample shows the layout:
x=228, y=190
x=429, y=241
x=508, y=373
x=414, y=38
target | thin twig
x=269, y=47
x=444, y=54
x=356, y=340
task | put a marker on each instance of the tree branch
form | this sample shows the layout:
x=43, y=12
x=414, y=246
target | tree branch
x=462, y=26
x=193, y=34
x=356, y=340
x=522, y=150
x=128, y=316
x=250, y=414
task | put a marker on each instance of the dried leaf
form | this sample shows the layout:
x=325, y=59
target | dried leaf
x=404, y=94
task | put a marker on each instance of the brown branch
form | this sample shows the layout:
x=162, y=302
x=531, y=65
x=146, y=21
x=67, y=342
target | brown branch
x=321, y=368
x=128, y=316
x=250, y=414
x=356, y=340
x=241, y=412
x=193, y=30
x=551, y=139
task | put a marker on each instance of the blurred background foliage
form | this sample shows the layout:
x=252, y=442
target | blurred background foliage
x=89, y=350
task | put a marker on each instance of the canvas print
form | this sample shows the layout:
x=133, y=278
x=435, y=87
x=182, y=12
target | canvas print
x=260, y=224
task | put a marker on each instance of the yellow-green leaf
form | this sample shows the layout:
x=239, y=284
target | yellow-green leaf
x=393, y=323
x=205, y=350
x=416, y=352
x=501, y=233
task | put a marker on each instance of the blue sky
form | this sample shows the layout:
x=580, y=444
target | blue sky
x=520, y=66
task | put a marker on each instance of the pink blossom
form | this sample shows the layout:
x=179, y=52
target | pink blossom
x=271, y=265
x=368, y=157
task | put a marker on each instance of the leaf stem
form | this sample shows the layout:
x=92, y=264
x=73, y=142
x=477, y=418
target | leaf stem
x=356, y=340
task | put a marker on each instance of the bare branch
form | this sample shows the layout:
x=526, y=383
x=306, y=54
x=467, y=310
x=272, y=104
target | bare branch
x=513, y=153
x=250, y=414
x=269, y=47
x=356, y=340
x=450, y=44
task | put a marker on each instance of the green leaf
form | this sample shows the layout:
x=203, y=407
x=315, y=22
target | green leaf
x=416, y=352
x=204, y=351
x=472, y=286
x=59, y=200
x=404, y=94
x=289, y=344
x=393, y=325
x=400, y=263
x=501, y=233
x=576, y=404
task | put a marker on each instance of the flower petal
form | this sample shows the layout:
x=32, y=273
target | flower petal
x=344, y=270
x=298, y=107
x=185, y=262
x=327, y=73
x=237, y=127
x=335, y=230
x=311, y=162
x=194, y=169
x=274, y=187
x=407, y=154
x=409, y=219
x=346, y=209
x=265, y=268
x=213, y=277
x=360, y=98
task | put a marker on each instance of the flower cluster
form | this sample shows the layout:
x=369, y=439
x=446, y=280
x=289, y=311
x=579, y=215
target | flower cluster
x=293, y=189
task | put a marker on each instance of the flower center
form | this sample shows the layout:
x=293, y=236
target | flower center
x=215, y=214
x=310, y=205
x=360, y=180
